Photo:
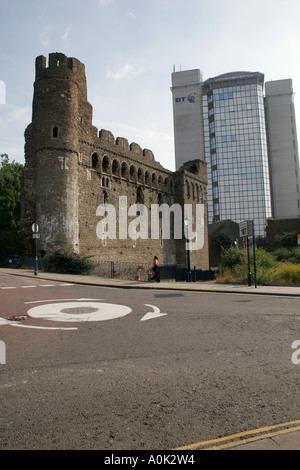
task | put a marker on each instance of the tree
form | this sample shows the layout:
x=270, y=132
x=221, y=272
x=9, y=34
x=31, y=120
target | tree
x=10, y=194
x=10, y=207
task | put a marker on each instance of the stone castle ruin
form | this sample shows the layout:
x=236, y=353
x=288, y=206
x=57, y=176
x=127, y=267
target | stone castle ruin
x=71, y=169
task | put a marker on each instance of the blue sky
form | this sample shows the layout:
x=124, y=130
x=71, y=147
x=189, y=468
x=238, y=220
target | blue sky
x=129, y=48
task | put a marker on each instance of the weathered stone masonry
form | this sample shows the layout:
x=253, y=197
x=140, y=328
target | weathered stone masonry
x=71, y=169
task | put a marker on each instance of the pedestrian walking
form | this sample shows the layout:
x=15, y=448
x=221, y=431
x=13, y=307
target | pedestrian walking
x=155, y=270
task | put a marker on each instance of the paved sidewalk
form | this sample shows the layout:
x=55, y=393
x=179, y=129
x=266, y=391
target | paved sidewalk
x=288, y=441
x=286, y=437
x=285, y=290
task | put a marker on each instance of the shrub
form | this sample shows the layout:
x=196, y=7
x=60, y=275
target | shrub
x=295, y=255
x=287, y=239
x=65, y=261
x=286, y=273
x=231, y=257
x=282, y=254
x=235, y=266
x=288, y=254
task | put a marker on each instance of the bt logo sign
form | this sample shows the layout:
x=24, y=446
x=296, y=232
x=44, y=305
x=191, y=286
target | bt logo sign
x=191, y=98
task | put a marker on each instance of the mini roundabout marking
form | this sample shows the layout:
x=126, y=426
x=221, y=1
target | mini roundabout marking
x=78, y=310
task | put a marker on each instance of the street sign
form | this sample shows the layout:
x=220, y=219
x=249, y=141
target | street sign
x=35, y=228
x=35, y=236
x=246, y=228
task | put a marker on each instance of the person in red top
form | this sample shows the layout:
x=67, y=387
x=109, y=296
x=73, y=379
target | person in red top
x=155, y=270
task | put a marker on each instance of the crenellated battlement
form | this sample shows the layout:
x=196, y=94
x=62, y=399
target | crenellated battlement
x=58, y=65
x=120, y=143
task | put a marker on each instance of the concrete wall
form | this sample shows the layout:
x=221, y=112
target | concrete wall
x=283, y=148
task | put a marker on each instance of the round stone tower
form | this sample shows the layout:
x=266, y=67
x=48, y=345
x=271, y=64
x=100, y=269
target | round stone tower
x=60, y=108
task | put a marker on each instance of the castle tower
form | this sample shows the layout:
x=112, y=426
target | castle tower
x=51, y=151
x=72, y=172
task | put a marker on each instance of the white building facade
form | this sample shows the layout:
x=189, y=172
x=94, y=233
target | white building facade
x=283, y=149
x=226, y=125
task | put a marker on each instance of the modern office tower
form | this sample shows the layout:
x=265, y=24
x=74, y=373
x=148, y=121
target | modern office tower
x=283, y=149
x=234, y=144
x=188, y=118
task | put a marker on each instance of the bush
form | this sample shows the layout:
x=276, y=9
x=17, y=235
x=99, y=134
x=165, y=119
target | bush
x=65, y=261
x=235, y=266
x=288, y=254
x=232, y=257
x=287, y=239
x=288, y=273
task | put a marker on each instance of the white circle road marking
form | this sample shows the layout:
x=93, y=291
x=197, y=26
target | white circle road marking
x=79, y=311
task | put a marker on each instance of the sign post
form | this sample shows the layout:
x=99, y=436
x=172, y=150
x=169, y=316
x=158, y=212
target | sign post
x=35, y=236
x=247, y=230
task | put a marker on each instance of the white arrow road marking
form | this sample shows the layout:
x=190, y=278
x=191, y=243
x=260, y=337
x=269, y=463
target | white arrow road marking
x=155, y=314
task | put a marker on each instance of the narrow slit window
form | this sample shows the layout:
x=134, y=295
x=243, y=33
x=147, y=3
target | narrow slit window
x=55, y=132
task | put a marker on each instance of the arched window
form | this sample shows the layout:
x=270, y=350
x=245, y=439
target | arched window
x=160, y=182
x=188, y=193
x=132, y=173
x=105, y=164
x=147, y=178
x=95, y=160
x=171, y=187
x=140, y=176
x=154, y=180
x=139, y=196
x=115, y=167
x=197, y=192
x=193, y=191
x=125, y=171
x=105, y=197
x=55, y=132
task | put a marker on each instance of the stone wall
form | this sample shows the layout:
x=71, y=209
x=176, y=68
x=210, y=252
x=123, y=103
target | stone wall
x=71, y=169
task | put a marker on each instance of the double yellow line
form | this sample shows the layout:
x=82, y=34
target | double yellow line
x=244, y=437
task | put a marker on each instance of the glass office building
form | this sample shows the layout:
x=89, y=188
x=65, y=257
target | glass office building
x=231, y=108
x=236, y=149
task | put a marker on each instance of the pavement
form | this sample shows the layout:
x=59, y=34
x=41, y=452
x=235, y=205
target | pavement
x=283, y=436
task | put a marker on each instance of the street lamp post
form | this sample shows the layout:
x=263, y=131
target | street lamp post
x=187, y=221
x=35, y=236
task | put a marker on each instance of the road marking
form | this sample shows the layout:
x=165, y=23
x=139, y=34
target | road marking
x=250, y=436
x=79, y=311
x=155, y=314
x=61, y=300
x=37, y=285
x=3, y=322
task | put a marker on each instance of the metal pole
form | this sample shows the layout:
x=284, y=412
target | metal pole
x=189, y=273
x=36, y=250
x=249, y=272
x=254, y=257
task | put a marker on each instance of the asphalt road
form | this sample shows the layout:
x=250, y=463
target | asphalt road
x=101, y=368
